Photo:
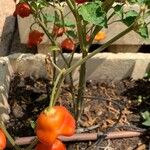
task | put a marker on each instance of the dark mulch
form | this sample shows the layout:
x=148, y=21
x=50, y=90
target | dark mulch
x=105, y=102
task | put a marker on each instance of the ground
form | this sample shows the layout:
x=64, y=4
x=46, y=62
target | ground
x=108, y=106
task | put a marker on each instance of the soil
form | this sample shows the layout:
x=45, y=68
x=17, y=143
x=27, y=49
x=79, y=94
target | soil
x=112, y=105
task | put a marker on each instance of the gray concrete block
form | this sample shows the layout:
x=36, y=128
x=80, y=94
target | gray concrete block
x=140, y=68
x=30, y=65
x=124, y=48
x=103, y=66
x=7, y=25
x=5, y=76
x=109, y=66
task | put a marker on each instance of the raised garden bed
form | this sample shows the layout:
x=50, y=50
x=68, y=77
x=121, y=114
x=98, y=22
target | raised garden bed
x=111, y=94
x=108, y=107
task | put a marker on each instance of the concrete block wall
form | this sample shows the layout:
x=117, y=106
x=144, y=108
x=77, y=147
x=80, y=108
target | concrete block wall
x=103, y=66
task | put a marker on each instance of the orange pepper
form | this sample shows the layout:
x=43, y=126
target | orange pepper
x=54, y=122
x=2, y=140
x=58, y=145
x=100, y=36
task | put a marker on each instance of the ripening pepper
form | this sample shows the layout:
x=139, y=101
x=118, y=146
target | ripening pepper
x=57, y=145
x=23, y=10
x=54, y=122
x=35, y=38
x=58, y=31
x=2, y=140
x=68, y=45
x=100, y=36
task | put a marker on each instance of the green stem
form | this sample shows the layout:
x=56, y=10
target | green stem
x=55, y=88
x=11, y=140
x=107, y=4
x=71, y=6
x=53, y=43
x=47, y=33
x=81, y=88
x=81, y=31
x=54, y=69
x=59, y=85
x=72, y=87
x=64, y=59
x=68, y=64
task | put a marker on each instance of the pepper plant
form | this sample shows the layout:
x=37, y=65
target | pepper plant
x=91, y=17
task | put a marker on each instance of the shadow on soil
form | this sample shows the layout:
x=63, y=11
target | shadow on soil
x=139, y=94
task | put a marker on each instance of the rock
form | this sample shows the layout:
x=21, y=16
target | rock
x=17, y=110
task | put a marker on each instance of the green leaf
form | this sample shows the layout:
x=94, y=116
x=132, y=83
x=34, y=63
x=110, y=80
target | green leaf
x=33, y=124
x=147, y=2
x=38, y=4
x=143, y=31
x=49, y=18
x=140, y=1
x=147, y=122
x=146, y=115
x=119, y=10
x=147, y=75
x=71, y=33
x=92, y=13
x=69, y=24
x=129, y=17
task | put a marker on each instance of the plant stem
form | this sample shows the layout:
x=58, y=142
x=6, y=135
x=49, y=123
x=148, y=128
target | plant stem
x=81, y=88
x=81, y=30
x=46, y=31
x=54, y=69
x=107, y=4
x=53, y=43
x=68, y=64
x=11, y=140
x=59, y=85
x=55, y=88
